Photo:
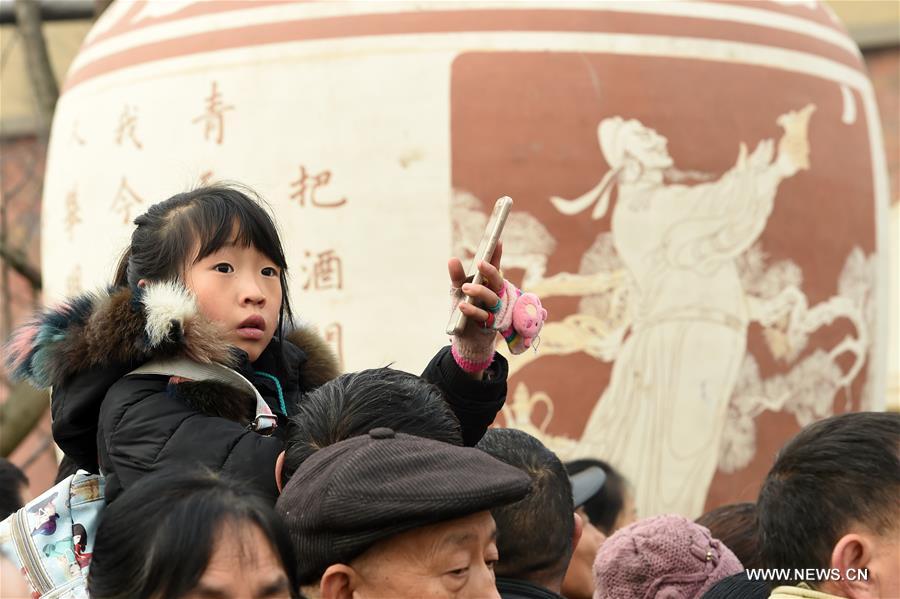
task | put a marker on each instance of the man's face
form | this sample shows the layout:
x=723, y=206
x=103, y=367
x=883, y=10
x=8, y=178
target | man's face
x=883, y=567
x=453, y=559
x=869, y=562
x=649, y=147
x=886, y=566
x=579, y=581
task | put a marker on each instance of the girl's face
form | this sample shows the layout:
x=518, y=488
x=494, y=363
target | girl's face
x=239, y=289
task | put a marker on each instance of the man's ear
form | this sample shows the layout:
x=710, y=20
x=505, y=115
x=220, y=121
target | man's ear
x=338, y=582
x=279, y=466
x=579, y=528
x=852, y=555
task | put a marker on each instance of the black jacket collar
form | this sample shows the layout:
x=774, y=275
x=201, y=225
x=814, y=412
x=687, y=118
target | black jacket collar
x=510, y=588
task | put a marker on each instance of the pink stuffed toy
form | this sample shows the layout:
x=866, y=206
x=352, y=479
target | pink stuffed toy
x=519, y=318
x=528, y=316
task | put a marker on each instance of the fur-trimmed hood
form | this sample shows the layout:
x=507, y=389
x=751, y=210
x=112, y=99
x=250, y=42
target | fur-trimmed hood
x=84, y=347
x=115, y=326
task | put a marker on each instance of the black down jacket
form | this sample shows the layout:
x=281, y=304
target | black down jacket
x=130, y=426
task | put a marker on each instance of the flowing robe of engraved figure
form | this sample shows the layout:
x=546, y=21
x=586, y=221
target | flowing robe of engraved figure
x=661, y=417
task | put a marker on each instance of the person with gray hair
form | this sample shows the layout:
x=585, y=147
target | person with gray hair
x=386, y=514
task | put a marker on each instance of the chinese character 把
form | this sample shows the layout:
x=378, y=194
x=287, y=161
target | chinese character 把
x=326, y=272
x=307, y=185
x=125, y=199
x=213, y=119
x=127, y=123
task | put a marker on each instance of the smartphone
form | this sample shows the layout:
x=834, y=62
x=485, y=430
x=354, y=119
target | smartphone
x=483, y=253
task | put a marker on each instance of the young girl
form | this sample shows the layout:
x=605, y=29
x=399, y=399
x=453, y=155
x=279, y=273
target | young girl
x=205, y=279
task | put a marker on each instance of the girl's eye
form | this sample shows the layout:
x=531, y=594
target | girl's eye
x=269, y=272
x=223, y=267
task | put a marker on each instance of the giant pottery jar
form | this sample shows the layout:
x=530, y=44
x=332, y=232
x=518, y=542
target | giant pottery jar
x=699, y=193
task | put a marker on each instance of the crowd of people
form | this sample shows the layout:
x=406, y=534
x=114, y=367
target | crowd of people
x=236, y=461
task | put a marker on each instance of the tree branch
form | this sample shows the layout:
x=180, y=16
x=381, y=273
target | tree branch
x=37, y=59
x=19, y=414
x=18, y=262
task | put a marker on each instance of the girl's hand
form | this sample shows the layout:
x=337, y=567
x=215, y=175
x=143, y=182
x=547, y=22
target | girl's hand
x=474, y=337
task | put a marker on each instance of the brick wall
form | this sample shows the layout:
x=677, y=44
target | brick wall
x=22, y=161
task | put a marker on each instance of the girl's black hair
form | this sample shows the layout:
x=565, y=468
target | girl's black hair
x=157, y=538
x=603, y=508
x=205, y=219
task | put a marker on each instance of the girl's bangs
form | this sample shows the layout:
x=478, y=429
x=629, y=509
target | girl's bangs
x=220, y=224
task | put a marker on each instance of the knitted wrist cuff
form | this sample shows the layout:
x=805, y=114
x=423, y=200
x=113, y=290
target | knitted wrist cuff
x=470, y=365
x=475, y=345
x=508, y=296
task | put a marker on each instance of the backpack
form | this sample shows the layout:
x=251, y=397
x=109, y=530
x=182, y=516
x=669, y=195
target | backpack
x=51, y=539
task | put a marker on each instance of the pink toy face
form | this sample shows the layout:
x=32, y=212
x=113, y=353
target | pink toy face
x=529, y=316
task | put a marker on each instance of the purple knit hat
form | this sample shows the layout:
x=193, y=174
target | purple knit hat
x=665, y=557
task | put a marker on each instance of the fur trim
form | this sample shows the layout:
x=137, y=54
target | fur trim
x=98, y=328
x=215, y=398
x=33, y=351
x=174, y=325
x=321, y=363
x=166, y=306
x=161, y=321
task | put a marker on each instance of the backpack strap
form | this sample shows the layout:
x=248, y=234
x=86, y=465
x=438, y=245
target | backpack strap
x=265, y=421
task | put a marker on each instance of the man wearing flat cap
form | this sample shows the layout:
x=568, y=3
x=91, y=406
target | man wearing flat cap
x=393, y=515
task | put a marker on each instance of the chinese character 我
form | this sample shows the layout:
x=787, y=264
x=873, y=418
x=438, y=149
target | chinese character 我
x=126, y=128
